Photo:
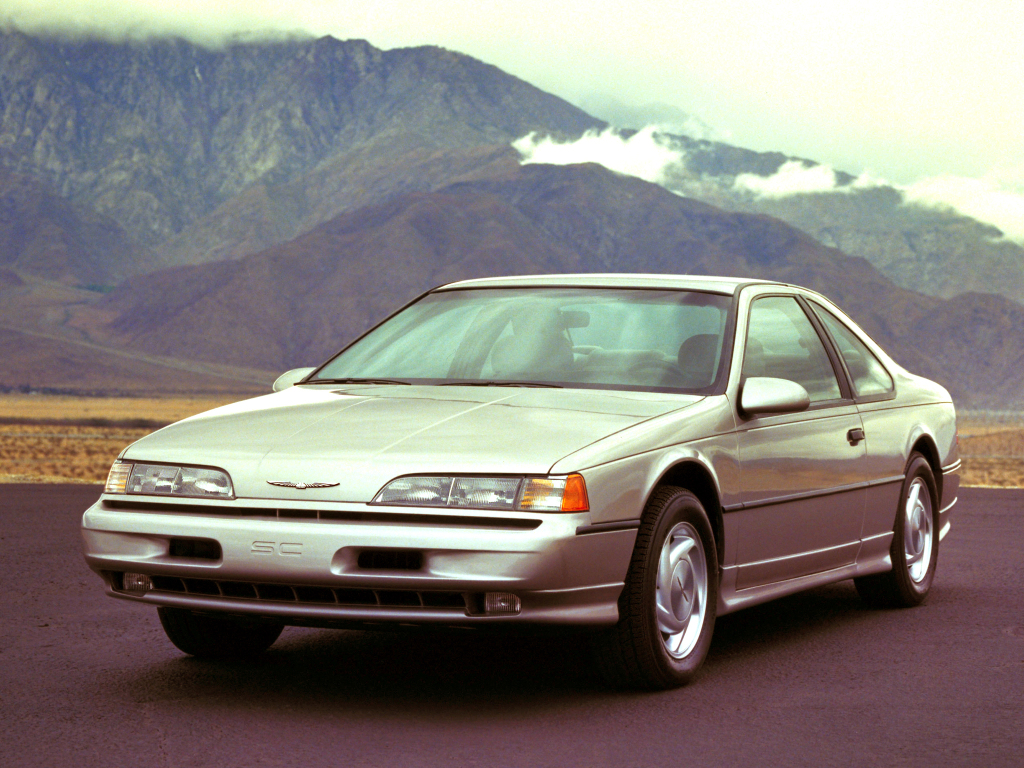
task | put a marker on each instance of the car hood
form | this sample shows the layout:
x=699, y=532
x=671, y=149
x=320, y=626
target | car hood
x=363, y=436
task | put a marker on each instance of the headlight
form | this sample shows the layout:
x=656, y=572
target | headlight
x=166, y=480
x=534, y=494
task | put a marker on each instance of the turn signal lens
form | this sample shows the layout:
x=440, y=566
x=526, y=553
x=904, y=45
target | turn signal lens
x=574, y=497
x=543, y=494
x=117, y=479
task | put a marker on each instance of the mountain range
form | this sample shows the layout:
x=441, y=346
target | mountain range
x=220, y=215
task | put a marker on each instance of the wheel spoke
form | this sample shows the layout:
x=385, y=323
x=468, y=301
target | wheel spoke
x=915, y=493
x=680, y=548
x=667, y=621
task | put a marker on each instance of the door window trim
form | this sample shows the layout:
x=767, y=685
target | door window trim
x=875, y=398
x=846, y=391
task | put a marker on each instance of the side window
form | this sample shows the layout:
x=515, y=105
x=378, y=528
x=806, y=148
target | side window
x=868, y=374
x=782, y=344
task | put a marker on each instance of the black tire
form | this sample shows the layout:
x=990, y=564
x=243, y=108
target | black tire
x=911, y=577
x=636, y=652
x=212, y=637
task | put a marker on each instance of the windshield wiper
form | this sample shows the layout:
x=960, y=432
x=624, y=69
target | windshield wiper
x=501, y=384
x=354, y=381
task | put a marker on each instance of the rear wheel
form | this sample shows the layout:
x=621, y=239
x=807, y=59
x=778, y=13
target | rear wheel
x=212, y=637
x=915, y=544
x=667, y=608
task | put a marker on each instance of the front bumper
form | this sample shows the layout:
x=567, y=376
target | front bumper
x=303, y=564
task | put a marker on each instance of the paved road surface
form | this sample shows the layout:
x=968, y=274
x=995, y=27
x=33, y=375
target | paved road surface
x=814, y=679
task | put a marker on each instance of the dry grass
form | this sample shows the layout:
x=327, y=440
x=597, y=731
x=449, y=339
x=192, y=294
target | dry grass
x=992, y=448
x=44, y=453
x=58, y=439
x=75, y=439
x=51, y=408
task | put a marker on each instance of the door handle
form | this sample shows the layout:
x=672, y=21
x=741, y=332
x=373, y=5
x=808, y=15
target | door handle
x=855, y=435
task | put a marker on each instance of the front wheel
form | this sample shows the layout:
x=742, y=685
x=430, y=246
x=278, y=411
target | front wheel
x=213, y=637
x=915, y=544
x=667, y=609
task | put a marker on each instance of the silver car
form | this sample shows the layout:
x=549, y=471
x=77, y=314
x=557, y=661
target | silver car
x=633, y=455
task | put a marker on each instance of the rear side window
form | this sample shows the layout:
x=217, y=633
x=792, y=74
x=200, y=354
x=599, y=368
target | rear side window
x=868, y=375
x=782, y=344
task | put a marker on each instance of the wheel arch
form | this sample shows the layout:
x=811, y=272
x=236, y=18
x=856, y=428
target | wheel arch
x=696, y=477
x=924, y=444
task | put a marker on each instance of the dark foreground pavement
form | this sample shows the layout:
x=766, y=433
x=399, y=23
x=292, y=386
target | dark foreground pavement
x=814, y=679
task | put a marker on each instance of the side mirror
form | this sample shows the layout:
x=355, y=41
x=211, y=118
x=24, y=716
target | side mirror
x=762, y=395
x=288, y=378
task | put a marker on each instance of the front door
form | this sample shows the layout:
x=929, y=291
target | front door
x=802, y=475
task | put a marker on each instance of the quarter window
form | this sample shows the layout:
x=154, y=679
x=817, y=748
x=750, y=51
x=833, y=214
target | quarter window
x=867, y=374
x=782, y=344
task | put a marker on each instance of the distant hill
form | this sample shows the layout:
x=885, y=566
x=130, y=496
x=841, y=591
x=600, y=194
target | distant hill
x=44, y=234
x=296, y=303
x=267, y=201
x=927, y=249
x=201, y=155
x=158, y=134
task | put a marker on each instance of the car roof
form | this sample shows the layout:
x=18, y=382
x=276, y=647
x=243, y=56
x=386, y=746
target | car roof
x=723, y=285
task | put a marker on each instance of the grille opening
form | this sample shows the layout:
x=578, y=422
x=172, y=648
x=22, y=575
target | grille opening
x=391, y=559
x=299, y=514
x=167, y=583
x=275, y=592
x=356, y=596
x=443, y=599
x=314, y=594
x=201, y=586
x=237, y=589
x=308, y=594
x=198, y=549
x=399, y=597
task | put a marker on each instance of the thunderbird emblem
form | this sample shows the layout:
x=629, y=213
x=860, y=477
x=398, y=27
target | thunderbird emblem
x=300, y=486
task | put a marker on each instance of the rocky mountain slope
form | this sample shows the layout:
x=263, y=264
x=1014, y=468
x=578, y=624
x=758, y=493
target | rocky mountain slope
x=270, y=200
x=202, y=154
x=296, y=303
x=923, y=248
x=44, y=234
x=157, y=134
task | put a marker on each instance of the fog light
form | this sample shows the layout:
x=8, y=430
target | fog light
x=136, y=582
x=501, y=602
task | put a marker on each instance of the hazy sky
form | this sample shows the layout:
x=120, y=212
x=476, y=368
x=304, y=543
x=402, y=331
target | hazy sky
x=904, y=88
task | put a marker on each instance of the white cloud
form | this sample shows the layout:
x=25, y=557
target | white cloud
x=646, y=154
x=996, y=199
x=993, y=200
x=792, y=178
x=797, y=178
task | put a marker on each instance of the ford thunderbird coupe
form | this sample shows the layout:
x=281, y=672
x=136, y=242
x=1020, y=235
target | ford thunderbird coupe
x=630, y=456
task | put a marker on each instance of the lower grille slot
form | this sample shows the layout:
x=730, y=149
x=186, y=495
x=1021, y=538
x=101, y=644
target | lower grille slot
x=201, y=587
x=443, y=599
x=275, y=592
x=356, y=596
x=399, y=598
x=313, y=595
x=237, y=589
x=167, y=584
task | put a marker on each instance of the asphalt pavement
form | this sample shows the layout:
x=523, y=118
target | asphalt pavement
x=814, y=679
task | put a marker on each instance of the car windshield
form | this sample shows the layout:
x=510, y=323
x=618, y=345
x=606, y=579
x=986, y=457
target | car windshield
x=654, y=340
